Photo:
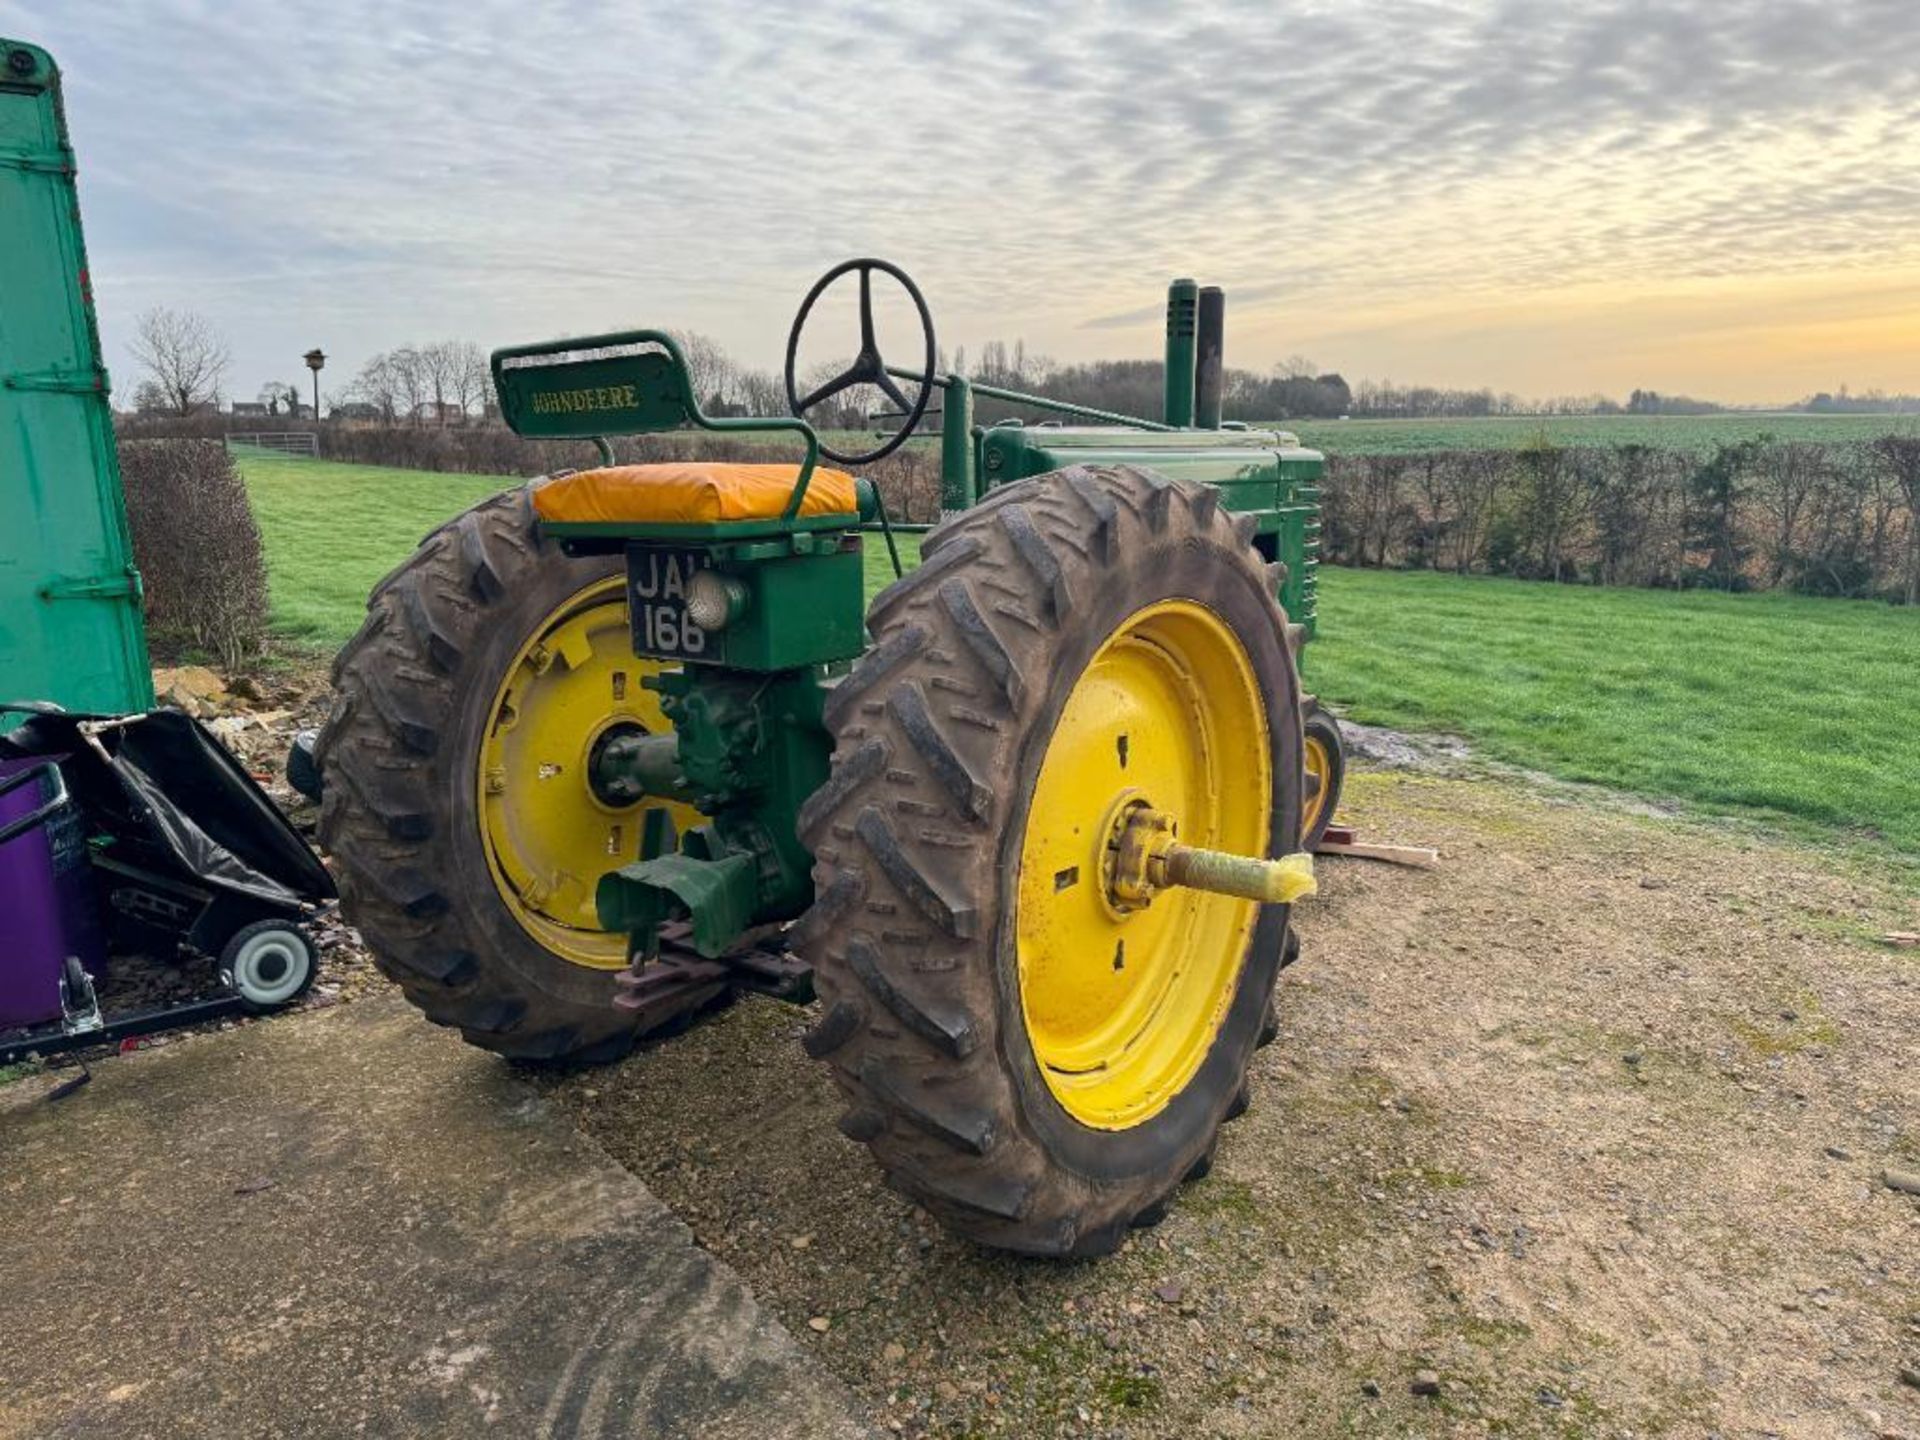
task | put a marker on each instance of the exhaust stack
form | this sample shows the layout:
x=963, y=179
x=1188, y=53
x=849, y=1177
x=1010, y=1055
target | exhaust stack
x=1211, y=373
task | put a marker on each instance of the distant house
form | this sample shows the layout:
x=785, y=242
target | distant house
x=439, y=412
x=247, y=409
x=354, y=410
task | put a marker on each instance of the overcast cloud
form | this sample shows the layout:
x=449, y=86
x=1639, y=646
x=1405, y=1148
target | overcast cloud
x=1544, y=197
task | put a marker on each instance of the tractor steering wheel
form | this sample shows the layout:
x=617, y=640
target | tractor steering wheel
x=867, y=368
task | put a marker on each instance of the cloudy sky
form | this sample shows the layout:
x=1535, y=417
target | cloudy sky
x=1720, y=197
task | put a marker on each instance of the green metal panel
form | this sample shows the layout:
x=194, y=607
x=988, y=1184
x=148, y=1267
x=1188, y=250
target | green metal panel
x=1264, y=471
x=797, y=608
x=957, y=468
x=70, y=628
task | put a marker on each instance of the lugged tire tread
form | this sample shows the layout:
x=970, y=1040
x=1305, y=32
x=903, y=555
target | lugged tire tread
x=900, y=867
x=836, y=1027
x=971, y=795
x=899, y=647
x=949, y=1028
x=1034, y=549
x=960, y=656
x=982, y=640
x=384, y=757
x=962, y=1127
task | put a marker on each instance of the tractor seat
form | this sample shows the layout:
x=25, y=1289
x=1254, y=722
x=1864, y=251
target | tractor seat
x=689, y=493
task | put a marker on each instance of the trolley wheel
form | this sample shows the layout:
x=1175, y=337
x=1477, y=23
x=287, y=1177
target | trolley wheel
x=270, y=964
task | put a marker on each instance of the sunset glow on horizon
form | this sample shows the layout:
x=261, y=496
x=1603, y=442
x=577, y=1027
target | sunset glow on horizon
x=1714, y=199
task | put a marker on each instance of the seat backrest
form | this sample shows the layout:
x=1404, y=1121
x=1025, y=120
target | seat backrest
x=632, y=383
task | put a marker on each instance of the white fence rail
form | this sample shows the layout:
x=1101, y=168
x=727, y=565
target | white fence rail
x=304, y=443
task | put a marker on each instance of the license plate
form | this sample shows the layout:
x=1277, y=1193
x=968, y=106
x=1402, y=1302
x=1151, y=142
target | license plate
x=657, y=582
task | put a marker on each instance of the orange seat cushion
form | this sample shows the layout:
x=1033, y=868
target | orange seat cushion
x=688, y=493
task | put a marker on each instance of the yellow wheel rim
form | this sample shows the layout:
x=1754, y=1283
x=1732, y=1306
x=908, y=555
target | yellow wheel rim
x=548, y=837
x=1319, y=765
x=1122, y=1007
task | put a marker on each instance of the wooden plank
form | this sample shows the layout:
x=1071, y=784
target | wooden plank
x=1416, y=855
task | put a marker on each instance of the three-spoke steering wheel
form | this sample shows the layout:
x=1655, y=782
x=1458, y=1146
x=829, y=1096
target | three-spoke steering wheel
x=867, y=368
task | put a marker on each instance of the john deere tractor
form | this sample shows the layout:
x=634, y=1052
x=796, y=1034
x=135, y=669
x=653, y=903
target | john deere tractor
x=617, y=744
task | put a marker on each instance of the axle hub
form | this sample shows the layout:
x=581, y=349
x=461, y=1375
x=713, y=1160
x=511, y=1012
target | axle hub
x=1145, y=856
x=627, y=764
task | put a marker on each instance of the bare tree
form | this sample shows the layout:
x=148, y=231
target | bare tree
x=436, y=366
x=710, y=370
x=277, y=396
x=1478, y=477
x=410, y=383
x=470, y=381
x=453, y=374
x=1433, y=517
x=1788, y=475
x=377, y=385
x=183, y=356
x=762, y=392
x=1899, y=461
x=150, y=399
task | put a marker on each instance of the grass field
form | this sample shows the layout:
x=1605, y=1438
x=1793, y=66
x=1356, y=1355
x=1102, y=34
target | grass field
x=1805, y=708
x=1787, y=706
x=1673, y=432
x=331, y=531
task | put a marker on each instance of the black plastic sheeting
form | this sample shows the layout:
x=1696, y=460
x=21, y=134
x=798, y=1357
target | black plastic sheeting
x=171, y=796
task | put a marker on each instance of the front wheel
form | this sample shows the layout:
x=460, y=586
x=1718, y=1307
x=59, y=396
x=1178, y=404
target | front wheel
x=1037, y=1045
x=1326, y=771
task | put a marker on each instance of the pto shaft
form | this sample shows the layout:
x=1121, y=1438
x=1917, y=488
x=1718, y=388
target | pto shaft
x=1272, y=882
x=1143, y=858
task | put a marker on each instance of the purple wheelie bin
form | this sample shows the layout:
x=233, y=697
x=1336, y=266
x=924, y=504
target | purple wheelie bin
x=50, y=938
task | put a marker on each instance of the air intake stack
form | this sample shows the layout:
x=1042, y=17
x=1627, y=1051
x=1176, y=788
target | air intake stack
x=1183, y=299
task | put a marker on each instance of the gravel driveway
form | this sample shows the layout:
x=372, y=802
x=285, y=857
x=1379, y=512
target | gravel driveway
x=1589, y=1126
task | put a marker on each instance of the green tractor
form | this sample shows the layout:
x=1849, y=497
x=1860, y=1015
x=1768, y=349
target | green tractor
x=620, y=743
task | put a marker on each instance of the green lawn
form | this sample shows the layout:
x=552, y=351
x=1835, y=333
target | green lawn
x=1795, y=707
x=331, y=531
x=1807, y=708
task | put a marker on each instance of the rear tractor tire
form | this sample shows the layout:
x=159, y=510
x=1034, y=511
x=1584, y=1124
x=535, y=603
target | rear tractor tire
x=464, y=835
x=1030, y=1055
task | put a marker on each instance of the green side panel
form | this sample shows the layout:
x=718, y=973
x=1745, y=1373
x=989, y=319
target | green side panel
x=798, y=610
x=70, y=627
x=803, y=610
x=1263, y=471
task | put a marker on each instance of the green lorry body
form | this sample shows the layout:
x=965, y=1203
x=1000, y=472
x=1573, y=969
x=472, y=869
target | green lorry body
x=70, y=619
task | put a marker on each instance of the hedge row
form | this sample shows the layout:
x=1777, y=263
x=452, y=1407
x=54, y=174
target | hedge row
x=1815, y=517
x=198, y=548
x=1821, y=519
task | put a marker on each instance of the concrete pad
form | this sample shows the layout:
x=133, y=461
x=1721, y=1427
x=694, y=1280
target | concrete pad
x=350, y=1223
